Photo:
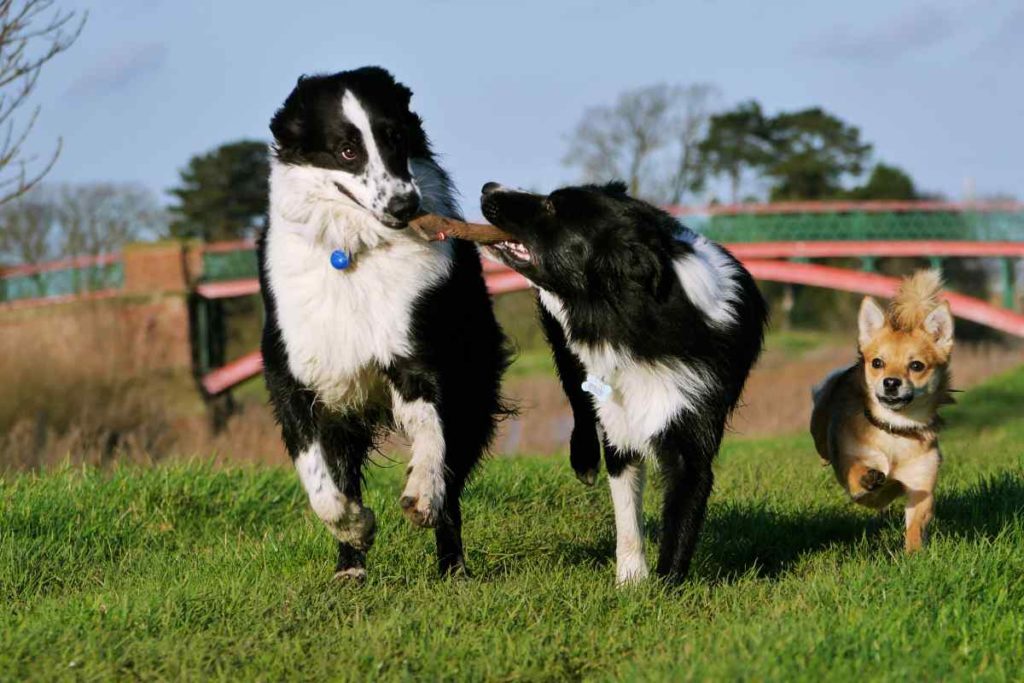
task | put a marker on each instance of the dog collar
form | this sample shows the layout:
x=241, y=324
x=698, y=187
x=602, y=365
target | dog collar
x=920, y=433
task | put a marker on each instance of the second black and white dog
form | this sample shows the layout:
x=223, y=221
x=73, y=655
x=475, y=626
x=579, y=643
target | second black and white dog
x=367, y=324
x=654, y=331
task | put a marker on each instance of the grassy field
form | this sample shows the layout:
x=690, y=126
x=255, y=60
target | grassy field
x=186, y=571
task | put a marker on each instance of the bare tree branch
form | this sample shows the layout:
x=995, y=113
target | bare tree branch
x=100, y=218
x=32, y=32
x=648, y=138
x=695, y=104
x=93, y=219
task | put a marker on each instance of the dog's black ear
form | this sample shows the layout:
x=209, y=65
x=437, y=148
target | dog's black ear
x=616, y=188
x=380, y=80
x=288, y=123
x=402, y=94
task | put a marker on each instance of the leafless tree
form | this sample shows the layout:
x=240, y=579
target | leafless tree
x=99, y=218
x=694, y=105
x=647, y=138
x=28, y=229
x=32, y=32
x=94, y=219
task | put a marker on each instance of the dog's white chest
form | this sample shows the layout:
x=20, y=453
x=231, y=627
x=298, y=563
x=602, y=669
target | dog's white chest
x=635, y=399
x=339, y=326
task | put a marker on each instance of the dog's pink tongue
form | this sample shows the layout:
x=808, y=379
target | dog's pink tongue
x=434, y=227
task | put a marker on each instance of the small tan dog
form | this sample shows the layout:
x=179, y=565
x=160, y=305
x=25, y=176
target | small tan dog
x=877, y=422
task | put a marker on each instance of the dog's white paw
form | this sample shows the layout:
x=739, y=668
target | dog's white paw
x=631, y=570
x=350, y=575
x=423, y=498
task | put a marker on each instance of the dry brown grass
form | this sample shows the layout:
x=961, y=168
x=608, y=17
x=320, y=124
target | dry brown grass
x=78, y=388
x=94, y=382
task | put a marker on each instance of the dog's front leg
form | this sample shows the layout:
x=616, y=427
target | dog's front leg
x=918, y=514
x=918, y=478
x=626, y=480
x=330, y=470
x=416, y=414
x=584, y=446
x=328, y=452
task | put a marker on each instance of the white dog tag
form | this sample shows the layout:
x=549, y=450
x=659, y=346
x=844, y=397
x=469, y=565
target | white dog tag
x=597, y=387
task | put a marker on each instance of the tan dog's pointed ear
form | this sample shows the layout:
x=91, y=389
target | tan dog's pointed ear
x=870, y=320
x=939, y=324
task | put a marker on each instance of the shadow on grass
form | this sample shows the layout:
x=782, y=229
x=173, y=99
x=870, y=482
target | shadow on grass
x=1001, y=406
x=744, y=539
x=740, y=539
x=983, y=509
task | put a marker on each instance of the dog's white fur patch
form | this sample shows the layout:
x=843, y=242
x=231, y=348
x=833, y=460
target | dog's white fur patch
x=627, y=498
x=646, y=396
x=374, y=186
x=708, y=277
x=422, y=425
x=338, y=326
x=347, y=519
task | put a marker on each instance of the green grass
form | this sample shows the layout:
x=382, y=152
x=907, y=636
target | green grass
x=186, y=571
x=532, y=362
x=795, y=343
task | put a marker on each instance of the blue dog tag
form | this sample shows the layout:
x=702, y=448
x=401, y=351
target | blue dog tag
x=339, y=259
x=598, y=388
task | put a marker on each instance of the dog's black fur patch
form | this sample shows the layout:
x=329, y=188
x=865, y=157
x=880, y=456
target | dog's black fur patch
x=457, y=350
x=609, y=259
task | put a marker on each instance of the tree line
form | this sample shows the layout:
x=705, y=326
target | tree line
x=670, y=144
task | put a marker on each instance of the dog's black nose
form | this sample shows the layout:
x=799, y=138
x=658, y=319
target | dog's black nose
x=489, y=187
x=404, y=206
x=891, y=384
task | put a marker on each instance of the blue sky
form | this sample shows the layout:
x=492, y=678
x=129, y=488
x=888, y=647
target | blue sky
x=936, y=86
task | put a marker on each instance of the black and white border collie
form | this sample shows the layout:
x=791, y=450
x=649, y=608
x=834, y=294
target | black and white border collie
x=369, y=326
x=654, y=330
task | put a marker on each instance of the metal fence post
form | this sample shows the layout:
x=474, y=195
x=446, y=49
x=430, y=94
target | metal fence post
x=1006, y=275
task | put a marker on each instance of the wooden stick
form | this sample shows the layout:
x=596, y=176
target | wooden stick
x=434, y=227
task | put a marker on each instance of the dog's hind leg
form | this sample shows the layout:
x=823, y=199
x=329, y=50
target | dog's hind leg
x=448, y=535
x=584, y=446
x=468, y=426
x=688, y=479
x=626, y=481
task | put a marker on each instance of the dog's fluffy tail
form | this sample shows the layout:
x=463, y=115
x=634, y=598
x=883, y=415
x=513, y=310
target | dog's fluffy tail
x=917, y=296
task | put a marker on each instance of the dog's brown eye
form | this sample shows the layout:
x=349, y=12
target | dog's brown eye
x=349, y=153
x=916, y=366
x=877, y=364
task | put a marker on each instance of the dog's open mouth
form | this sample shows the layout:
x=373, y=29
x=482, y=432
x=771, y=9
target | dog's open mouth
x=511, y=251
x=895, y=402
